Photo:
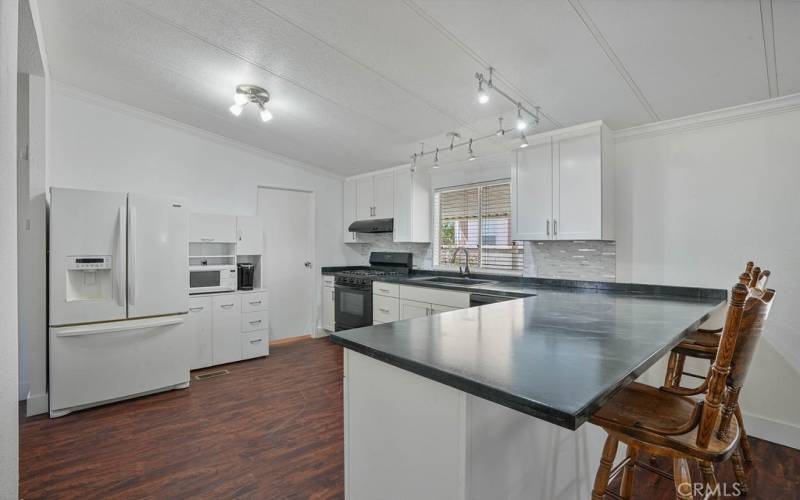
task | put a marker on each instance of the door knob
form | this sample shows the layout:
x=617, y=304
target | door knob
x=307, y=263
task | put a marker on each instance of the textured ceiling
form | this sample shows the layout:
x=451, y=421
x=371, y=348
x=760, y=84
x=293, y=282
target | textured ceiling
x=357, y=84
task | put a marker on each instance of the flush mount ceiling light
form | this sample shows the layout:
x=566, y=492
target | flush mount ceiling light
x=251, y=93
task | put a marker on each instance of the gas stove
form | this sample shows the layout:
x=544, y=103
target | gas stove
x=361, y=278
x=353, y=294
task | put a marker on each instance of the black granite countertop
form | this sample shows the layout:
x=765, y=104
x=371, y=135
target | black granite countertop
x=557, y=355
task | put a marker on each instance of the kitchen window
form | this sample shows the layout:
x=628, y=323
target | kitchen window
x=478, y=218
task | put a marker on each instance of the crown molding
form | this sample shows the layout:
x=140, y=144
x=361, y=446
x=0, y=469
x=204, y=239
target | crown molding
x=714, y=118
x=140, y=113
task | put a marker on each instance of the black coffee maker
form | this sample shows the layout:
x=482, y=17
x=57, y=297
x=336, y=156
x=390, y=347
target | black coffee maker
x=245, y=275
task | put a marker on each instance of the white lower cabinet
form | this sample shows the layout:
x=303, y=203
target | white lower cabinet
x=198, y=324
x=227, y=346
x=392, y=302
x=328, y=304
x=227, y=328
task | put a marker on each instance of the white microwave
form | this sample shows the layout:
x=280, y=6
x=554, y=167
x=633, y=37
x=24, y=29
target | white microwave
x=206, y=279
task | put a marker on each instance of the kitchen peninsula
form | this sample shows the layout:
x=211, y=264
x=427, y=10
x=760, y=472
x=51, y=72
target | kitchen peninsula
x=491, y=401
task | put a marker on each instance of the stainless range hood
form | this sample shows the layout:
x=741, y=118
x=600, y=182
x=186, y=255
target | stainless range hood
x=372, y=226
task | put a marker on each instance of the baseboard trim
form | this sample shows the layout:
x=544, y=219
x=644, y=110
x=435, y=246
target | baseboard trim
x=36, y=404
x=288, y=340
x=774, y=431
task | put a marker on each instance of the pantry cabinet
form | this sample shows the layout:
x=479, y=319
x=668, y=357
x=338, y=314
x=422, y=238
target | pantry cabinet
x=562, y=185
x=249, y=239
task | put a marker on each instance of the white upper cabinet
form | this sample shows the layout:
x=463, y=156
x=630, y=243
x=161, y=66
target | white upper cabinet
x=383, y=196
x=532, y=192
x=365, y=197
x=212, y=228
x=249, y=239
x=349, y=209
x=412, y=206
x=562, y=185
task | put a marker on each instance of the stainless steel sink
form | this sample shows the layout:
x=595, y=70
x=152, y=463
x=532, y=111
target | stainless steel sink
x=446, y=280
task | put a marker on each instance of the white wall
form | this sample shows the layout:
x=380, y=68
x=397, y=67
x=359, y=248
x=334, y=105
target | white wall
x=9, y=434
x=100, y=144
x=699, y=196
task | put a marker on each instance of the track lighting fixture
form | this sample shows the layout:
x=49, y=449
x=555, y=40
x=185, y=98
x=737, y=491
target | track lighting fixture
x=524, y=140
x=483, y=96
x=471, y=152
x=251, y=93
x=453, y=136
x=436, y=159
x=500, y=132
x=522, y=124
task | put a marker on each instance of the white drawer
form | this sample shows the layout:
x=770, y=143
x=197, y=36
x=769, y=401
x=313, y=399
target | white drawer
x=327, y=280
x=256, y=301
x=253, y=321
x=255, y=344
x=385, y=289
x=385, y=309
x=376, y=323
x=459, y=300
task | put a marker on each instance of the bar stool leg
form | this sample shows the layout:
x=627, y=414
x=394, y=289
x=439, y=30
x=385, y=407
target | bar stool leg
x=676, y=380
x=709, y=478
x=683, y=479
x=744, y=441
x=606, y=462
x=738, y=471
x=672, y=363
x=628, y=473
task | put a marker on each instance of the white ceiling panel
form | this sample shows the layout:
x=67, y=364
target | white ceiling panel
x=544, y=49
x=786, y=17
x=687, y=56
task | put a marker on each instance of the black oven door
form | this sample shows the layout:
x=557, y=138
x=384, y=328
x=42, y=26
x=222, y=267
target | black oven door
x=353, y=308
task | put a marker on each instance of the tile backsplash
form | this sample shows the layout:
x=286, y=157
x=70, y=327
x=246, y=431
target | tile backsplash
x=382, y=242
x=572, y=260
x=576, y=260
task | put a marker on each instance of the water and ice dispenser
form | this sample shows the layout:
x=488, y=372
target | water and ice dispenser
x=89, y=277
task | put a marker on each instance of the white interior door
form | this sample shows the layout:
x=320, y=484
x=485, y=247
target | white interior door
x=288, y=264
x=158, y=256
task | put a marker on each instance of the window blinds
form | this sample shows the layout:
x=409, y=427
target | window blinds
x=478, y=218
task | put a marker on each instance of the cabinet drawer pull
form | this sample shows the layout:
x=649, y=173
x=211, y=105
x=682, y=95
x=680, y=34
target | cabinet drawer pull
x=226, y=305
x=383, y=310
x=195, y=309
x=555, y=227
x=548, y=228
x=383, y=290
x=206, y=239
x=255, y=322
x=255, y=302
x=256, y=341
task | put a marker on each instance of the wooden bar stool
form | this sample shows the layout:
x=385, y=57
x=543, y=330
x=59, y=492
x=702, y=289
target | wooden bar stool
x=703, y=344
x=668, y=423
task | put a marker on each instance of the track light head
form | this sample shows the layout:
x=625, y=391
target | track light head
x=524, y=140
x=236, y=109
x=522, y=124
x=264, y=113
x=436, y=159
x=471, y=152
x=483, y=96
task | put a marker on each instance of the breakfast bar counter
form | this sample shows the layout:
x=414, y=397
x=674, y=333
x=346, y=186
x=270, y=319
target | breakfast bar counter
x=489, y=402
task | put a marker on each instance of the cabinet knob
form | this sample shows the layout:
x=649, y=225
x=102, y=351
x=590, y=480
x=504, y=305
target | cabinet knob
x=548, y=227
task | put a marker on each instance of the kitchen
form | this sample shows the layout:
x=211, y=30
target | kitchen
x=314, y=216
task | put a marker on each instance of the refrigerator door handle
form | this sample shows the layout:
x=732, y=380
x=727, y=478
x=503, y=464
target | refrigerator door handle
x=119, y=265
x=132, y=256
x=122, y=326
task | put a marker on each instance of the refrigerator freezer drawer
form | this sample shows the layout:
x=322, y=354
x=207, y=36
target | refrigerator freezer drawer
x=105, y=362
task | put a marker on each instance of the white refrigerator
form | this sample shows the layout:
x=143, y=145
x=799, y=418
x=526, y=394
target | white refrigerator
x=118, y=297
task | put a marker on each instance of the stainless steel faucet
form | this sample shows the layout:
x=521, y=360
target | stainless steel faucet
x=465, y=270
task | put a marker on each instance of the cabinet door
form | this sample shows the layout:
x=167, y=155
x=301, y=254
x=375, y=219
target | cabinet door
x=249, y=240
x=532, y=193
x=578, y=200
x=437, y=308
x=410, y=309
x=226, y=333
x=349, y=209
x=212, y=228
x=198, y=324
x=328, y=308
x=364, y=198
x=383, y=196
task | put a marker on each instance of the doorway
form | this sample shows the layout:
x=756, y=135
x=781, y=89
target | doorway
x=287, y=265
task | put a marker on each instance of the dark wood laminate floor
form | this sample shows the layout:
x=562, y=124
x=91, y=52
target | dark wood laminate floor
x=270, y=429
